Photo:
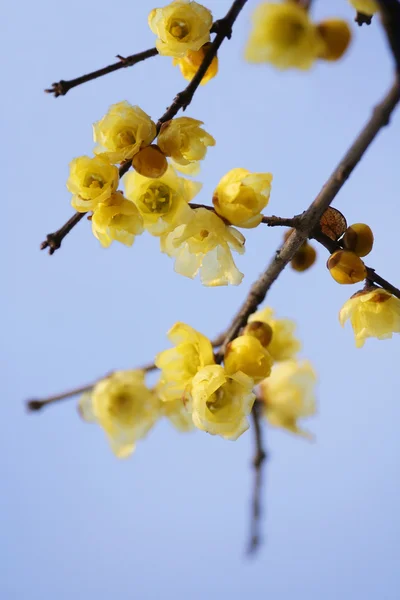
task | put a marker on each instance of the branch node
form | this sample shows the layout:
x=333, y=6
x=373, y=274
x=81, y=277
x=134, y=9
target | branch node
x=34, y=405
x=58, y=89
x=363, y=19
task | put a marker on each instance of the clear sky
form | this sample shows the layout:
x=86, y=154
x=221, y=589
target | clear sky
x=173, y=520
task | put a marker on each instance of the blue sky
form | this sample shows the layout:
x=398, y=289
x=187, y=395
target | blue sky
x=173, y=520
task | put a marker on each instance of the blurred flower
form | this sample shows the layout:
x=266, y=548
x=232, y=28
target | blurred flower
x=221, y=403
x=190, y=63
x=124, y=407
x=178, y=415
x=367, y=7
x=288, y=395
x=336, y=34
x=283, y=344
x=203, y=244
x=284, y=36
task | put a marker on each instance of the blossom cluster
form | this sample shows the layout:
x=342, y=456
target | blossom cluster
x=194, y=391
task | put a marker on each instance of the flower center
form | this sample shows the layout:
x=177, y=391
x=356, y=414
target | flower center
x=93, y=181
x=157, y=199
x=289, y=32
x=179, y=29
x=125, y=138
x=217, y=401
x=120, y=406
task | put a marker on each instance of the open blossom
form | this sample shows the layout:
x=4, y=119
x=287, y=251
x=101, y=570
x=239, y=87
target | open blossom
x=284, y=36
x=91, y=180
x=284, y=344
x=177, y=413
x=122, y=132
x=246, y=354
x=221, y=403
x=373, y=313
x=162, y=202
x=124, y=407
x=180, y=26
x=184, y=141
x=368, y=7
x=240, y=197
x=116, y=219
x=180, y=364
x=190, y=63
x=288, y=395
x=203, y=245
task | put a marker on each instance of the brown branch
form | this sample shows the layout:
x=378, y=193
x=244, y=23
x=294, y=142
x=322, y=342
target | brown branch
x=223, y=29
x=310, y=218
x=390, y=14
x=362, y=19
x=258, y=461
x=38, y=403
x=332, y=246
x=62, y=87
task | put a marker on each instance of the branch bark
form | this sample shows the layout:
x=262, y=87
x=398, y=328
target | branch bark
x=258, y=463
x=310, y=218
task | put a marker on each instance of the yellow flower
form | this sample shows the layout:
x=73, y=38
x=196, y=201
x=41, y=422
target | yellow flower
x=124, y=407
x=283, y=344
x=288, y=395
x=246, y=354
x=373, y=313
x=91, y=180
x=203, y=244
x=284, y=36
x=116, y=219
x=180, y=364
x=180, y=26
x=190, y=63
x=162, y=202
x=122, y=132
x=178, y=414
x=240, y=197
x=336, y=34
x=184, y=141
x=368, y=7
x=221, y=403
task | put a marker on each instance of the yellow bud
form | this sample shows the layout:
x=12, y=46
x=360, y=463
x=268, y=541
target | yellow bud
x=336, y=34
x=359, y=239
x=368, y=7
x=150, y=162
x=262, y=331
x=346, y=267
x=304, y=258
x=247, y=355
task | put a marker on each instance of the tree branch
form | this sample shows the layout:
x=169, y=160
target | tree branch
x=258, y=462
x=390, y=14
x=223, y=28
x=62, y=87
x=310, y=218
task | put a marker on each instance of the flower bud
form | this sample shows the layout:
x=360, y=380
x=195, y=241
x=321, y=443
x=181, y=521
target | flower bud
x=337, y=36
x=304, y=258
x=150, y=162
x=246, y=354
x=359, y=239
x=262, y=331
x=346, y=267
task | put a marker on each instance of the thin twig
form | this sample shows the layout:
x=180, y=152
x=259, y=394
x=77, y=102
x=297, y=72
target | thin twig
x=38, y=403
x=62, y=87
x=223, y=29
x=310, y=218
x=332, y=246
x=258, y=461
